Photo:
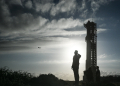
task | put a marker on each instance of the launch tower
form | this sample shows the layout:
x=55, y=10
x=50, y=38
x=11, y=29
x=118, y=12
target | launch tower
x=91, y=51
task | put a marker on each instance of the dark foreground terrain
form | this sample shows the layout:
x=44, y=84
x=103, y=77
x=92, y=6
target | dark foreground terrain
x=19, y=78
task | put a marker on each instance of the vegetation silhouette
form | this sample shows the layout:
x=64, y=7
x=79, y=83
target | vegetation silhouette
x=109, y=80
x=19, y=78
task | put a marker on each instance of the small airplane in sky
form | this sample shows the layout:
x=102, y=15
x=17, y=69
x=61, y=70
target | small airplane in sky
x=39, y=47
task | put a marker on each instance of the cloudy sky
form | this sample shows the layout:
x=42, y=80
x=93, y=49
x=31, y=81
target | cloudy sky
x=56, y=27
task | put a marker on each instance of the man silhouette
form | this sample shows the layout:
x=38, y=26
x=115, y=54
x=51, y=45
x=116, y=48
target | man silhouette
x=75, y=66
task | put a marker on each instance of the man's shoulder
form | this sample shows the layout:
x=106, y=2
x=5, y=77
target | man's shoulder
x=77, y=56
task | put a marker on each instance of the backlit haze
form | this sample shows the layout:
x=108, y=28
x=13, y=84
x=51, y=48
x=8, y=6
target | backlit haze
x=40, y=36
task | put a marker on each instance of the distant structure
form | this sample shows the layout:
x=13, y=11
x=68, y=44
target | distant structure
x=91, y=52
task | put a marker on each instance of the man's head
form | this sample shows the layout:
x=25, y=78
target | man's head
x=76, y=52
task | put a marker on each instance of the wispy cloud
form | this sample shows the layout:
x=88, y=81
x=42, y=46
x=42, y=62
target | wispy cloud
x=63, y=6
x=29, y=4
x=43, y=7
x=54, y=9
x=95, y=5
x=64, y=23
x=54, y=62
x=102, y=25
x=82, y=7
x=18, y=2
x=103, y=56
x=24, y=26
x=99, y=30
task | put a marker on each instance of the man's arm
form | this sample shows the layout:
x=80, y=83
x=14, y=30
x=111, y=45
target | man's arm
x=72, y=64
x=79, y=55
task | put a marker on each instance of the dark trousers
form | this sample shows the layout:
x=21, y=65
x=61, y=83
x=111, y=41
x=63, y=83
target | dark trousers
x=76, y=75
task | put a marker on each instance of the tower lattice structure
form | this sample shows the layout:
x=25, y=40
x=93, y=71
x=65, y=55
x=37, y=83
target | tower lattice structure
x=91, y=40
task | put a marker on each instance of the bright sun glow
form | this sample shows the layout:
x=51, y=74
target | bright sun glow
x=72, y=46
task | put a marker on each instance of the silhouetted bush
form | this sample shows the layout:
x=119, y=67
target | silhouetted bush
x=14, y=78
x=111, y=78
x=19, y=78
x=47, y=80
x=100, y=84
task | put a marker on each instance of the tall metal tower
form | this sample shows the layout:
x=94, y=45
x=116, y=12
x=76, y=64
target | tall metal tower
x=91, y=40
x=91, y=53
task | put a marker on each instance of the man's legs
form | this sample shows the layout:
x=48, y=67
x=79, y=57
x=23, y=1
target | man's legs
x=76, y=75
